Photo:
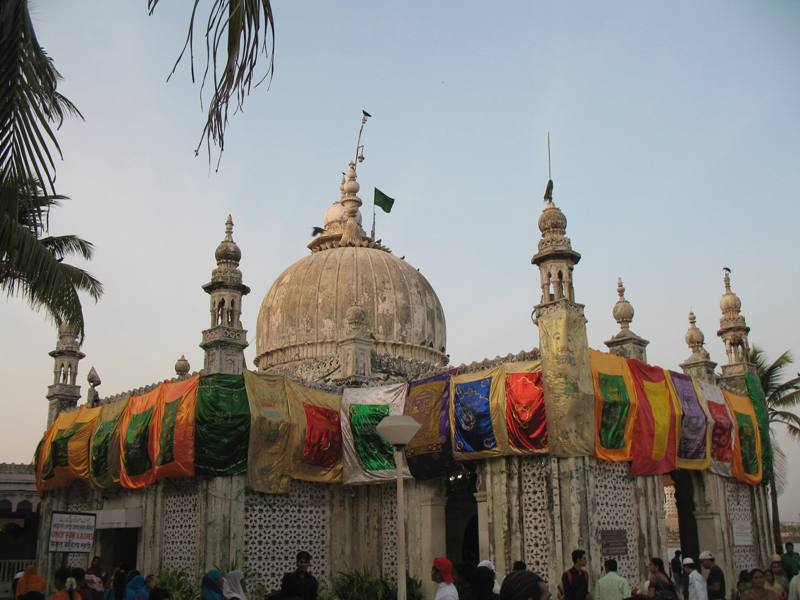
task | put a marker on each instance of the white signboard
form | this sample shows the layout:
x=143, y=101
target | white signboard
x=72, y=532
x=742, y=533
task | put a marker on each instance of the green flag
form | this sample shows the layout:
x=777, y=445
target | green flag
x=383, y=201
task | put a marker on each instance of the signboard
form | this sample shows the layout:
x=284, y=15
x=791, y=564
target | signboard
x=119, y=518
x=614, y=542
x=742, y=533
x=72, y=532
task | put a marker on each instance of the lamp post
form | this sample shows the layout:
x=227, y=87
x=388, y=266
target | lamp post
x=398, y=431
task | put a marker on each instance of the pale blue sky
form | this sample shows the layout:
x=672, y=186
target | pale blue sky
x=676, y=151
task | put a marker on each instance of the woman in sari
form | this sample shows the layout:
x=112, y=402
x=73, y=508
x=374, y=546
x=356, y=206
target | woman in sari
x=211, y=588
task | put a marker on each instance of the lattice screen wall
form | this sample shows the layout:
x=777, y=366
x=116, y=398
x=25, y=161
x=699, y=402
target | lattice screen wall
x=80, y=500
x=615, y=508
x=537, y=520
x=740, y=508
x=389, y=530
x=278, y=526
x=180, y=537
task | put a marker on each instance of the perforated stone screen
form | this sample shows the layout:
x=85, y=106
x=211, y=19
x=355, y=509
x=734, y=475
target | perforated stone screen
x=740, y=510
x=615, y=509
x=536, y=513
x=179, y=542
x=389, y=531
x=278, y=526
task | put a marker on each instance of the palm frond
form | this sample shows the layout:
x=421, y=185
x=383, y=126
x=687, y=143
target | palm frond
x=83, y=281
x=30, y=105
x=65, y=245
x=238, y=34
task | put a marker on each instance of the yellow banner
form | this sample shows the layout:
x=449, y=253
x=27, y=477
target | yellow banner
x=269, y=456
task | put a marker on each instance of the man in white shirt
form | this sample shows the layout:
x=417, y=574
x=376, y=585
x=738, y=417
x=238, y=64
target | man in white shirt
x=442, y=575
x=794, y=588
x=697, y=584
x=611, y=586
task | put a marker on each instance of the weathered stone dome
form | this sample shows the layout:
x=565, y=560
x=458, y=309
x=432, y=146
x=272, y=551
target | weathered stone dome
x=305, y=312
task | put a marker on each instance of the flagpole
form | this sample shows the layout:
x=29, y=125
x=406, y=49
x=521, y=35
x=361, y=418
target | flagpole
x=373, y=217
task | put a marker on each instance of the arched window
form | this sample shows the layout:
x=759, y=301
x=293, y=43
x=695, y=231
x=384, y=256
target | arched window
x=5, y=506
x=24, y=507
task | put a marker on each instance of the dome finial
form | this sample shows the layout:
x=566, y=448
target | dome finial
x=182, y=366
x=229, y=229
x=695, y=338
x=228, y=253
x=623, y=310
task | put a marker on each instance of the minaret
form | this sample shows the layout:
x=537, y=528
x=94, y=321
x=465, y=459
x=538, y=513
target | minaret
x=64, y=393
x=563, y=343
x=733, y=330
x=224, y=342
x=626, y=343
x=699, y=364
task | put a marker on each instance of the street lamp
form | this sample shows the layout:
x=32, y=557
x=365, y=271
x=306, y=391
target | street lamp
x=398, y=431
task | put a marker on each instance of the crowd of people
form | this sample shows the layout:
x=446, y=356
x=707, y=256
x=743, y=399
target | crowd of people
x=124, y=584
x=686, y=580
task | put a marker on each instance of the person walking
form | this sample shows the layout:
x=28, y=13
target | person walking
x=776, y=567
x=790, y=561
x=521, y=585
x=696, y=586
x=611, y=586
x=30, y=581
x=483, y=584
x=66, y=586
x=442, y=576
x=300, y=584
x=659, y=585
x=232, y=587
x=136, y=589
x=794, y=588
x=575, y=580
x=676, y=569
x=715, y=579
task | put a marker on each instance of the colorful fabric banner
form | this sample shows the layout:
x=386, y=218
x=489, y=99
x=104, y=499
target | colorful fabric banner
x=104, y=446
x=746, y=465
x=222, y=428
x=269, y=454
x=756, y=393
x=721, y=428
x=567, y=383
x=694, y=433
x=136, y=462
x=64, y=453
x=428, y=453
x=655, y=436
x=525, y=414
x=615, y=406
x=367, y=457
x=173, y=429
x=476, y=413
x=316, y=434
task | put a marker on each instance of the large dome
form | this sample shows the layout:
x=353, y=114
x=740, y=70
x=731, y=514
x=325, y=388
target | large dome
x=304, y=313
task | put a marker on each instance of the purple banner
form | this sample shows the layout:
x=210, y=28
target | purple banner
x=692, y=442
x=428, y=401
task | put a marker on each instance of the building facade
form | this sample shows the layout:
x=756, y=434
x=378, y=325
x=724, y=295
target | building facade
x=351, y=313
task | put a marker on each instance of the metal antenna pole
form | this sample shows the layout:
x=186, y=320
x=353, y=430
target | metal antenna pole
x=549, y=174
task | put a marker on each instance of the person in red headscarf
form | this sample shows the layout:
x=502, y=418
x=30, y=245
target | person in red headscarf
x=442, y=575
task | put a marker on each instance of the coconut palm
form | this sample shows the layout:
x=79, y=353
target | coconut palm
x=782, y=396
x=32, y=263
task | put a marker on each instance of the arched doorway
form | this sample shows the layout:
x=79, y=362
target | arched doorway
x=461, y=517
x=680, y=516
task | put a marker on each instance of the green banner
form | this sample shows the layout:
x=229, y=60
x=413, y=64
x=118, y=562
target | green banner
x=756, y=394
x=166, y=446
x=222, y=426
x=373, y=452
x=101, y=439
x=747, y=443
x=136, y=454
x=616, y=406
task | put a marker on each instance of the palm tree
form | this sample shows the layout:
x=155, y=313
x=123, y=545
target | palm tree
x=782, y=397
x=32, y=263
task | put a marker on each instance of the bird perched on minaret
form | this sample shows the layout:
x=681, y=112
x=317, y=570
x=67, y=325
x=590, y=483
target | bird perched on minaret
x=548, y=192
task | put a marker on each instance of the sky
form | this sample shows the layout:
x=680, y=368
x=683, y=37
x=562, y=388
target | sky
x=675, y=151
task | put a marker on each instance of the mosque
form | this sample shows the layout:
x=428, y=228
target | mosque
x=351, y=314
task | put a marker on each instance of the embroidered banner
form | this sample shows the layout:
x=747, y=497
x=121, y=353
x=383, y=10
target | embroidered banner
x=694, y=435
x=222, y=428
x=367, y=457
x=63, y=455
x=104, y=446
x=429, y=453
x=136, y=464
x=654, y=445
x=746, y=465
x=526, y=419
x=269, y=453
x=316, y=434
x=475, y=413
x=615, y=406
x=756, y=393
x=173, y=428
x=721, y=428
x=569, y=397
